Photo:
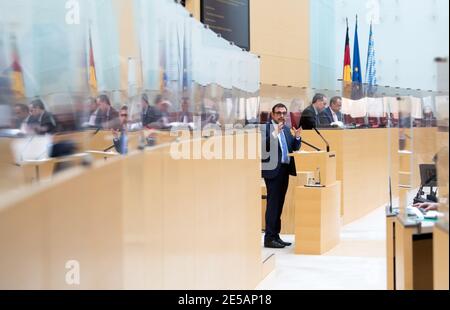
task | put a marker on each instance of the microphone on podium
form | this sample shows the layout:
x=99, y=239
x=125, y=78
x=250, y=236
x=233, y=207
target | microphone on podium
x=324, y=140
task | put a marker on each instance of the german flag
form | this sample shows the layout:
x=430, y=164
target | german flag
x=92, y=72
x=347, y=59
x=17, y=85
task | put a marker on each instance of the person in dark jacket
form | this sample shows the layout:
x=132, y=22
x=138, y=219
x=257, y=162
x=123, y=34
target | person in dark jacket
x=310, y=117
x=332, y=114
x=41, y=121
x=106, y=115
x=121, y=132
x=277, y=143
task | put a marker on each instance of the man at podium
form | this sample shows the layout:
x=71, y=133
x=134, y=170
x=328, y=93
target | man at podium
x=277, y=142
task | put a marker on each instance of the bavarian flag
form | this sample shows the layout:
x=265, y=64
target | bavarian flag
x=347, y=59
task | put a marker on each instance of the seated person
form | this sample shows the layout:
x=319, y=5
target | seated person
x=21, y=115
x=41, y=121
x=159, y=114
x=310, y=117
x=120, y=133
x=210, y=113
x=184, y=116
x=87, y=118
x=332, y=115
x=106, y=114
x=146, y=111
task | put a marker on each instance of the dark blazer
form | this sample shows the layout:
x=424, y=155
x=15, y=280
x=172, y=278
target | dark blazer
x=267, y=139
x=155, y=119
x=118, y=143
x=326, y=117
x=44, y=124
x=147, y=116
x=106, y=120
x=309, y=119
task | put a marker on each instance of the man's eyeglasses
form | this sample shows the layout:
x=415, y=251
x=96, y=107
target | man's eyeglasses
x=280, y=113
x=123, y=115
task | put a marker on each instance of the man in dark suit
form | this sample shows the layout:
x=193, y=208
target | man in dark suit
x=21, y=115
x=277, y=143
x=310, y=117
x=332, y=114
x=184, y=116
x=41, y=121
x=146, y=111
x=159, y=114
x=120, y=134
x=106, y=114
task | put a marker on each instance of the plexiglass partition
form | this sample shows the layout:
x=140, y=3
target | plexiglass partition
x=442, y=107
x=75, y=77
x=417, y=122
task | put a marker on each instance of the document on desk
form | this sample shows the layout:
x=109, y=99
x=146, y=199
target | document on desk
x=32, y=148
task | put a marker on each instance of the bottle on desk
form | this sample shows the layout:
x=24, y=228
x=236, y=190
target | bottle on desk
x=317, y=177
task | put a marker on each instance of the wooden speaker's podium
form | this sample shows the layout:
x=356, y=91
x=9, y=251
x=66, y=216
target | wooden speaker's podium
x=317, y=209
x=323, y=164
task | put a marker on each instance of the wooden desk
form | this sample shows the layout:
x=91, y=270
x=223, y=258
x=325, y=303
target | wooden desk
x=363, y=160
x=38, y=170
x=440, y=256
x=409, y=254
x=317, y=219
x=145, y=221
x=11, y=175
x=103, y=155
x=322, y=164
x=306, y=164
x=102, y=140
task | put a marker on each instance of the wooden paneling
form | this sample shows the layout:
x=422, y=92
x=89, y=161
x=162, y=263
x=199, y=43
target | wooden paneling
x=413, y=259
x=317, y=219
x=322, y=164
x=363, y=163
x=11, y=176
x=193, y=6
x=440, y=249
x=403, y=257
x=128, y=42
x=279, y=33
x=146, y=221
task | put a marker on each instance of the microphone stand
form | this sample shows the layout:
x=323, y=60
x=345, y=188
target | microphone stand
x=109, y=148
x=324, y=140
x=97, y=131
x=311, y=146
